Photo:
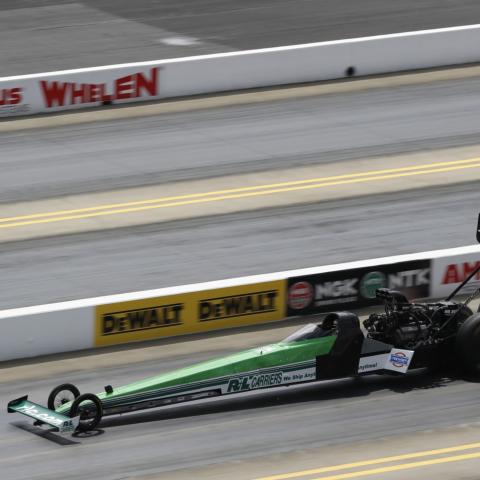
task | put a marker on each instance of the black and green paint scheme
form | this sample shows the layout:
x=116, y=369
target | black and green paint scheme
x=332, y=349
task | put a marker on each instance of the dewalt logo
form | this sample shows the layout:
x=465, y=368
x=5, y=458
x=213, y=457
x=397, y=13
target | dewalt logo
x=142, y=319
x=237, y=305
x=189, y=312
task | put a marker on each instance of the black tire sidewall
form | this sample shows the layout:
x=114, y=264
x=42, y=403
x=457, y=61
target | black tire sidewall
x=467, y=344
x=74, y=411
x=63, y=387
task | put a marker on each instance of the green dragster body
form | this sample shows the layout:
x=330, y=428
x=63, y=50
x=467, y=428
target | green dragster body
x=272, y=365
x=333, y=349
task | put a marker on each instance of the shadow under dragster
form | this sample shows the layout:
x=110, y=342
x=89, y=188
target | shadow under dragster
x=405, y=337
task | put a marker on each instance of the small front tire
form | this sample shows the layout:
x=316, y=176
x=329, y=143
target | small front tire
x=90, y=409
x=62, y=394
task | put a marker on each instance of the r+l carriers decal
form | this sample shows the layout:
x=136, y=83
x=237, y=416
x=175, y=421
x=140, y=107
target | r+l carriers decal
x=251, y=381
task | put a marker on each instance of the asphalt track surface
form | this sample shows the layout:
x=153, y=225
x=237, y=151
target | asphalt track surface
x=48, y=35
x=153, y=256
x=239, y=139
x=267, y=427
x=234, y=140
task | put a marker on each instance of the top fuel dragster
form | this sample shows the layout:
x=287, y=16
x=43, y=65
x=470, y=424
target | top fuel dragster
x=406, y=336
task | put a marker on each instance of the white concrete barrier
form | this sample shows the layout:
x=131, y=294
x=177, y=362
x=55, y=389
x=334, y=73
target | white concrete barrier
x=45, y=329
x=73, y=89
x=76, y=325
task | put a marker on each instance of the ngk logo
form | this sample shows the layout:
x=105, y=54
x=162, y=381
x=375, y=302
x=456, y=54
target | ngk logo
x=338, y=288
x=410, y=278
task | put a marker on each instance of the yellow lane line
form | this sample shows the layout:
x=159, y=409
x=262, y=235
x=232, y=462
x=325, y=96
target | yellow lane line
x=50, y=217
x=376, y=461
x=404, y=466
x=241, y=189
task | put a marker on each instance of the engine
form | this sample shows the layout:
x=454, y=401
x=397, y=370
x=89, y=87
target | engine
x=412, y=325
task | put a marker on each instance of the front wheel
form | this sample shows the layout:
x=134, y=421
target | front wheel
x=62, y=394
x=90, y=409
x=467, y=344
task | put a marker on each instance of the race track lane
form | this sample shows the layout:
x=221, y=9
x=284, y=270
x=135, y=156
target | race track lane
x=224, y=246
x=103, y=156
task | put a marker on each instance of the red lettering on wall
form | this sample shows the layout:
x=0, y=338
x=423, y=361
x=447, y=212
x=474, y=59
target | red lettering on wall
x=124, y=87
x=54, y=93
x=59, y=94
x=468, y=268
x=94, y=93
x=150, y=86
x=458, y=273
x=78, y=92
x=10, y=96
x=451, y=275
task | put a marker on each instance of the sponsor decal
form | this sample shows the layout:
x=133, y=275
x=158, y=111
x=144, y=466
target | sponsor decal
x=338, y=291
x=261, y=380
x=33, y=411
x=136, y=85
x=250, y=382
x=192, y=312
x=370, y=282
x=449, y=272
x=237, y=305
x=419, y=277
x=458, y=272
x=68, y=426
x=300, y=295
x=10, y=96
x=11, y=102
x=299, y=376
x=20, y=109
x=371, y=363
x=356, y=288
x=368, y=366
x=399, y=359
x=142, y=319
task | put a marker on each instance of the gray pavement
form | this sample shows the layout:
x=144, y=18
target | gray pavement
x=50, y=35
x=152, y=256
x=102, y=156
x=260, y=433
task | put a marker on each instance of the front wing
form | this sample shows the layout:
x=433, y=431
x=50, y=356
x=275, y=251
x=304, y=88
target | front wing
x=61, y=423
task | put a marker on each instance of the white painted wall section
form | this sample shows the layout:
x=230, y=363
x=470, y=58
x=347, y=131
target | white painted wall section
x=69, y=326
x=90, y=87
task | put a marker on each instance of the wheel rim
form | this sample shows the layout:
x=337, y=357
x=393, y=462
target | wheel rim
x=63, y=397
x=88, y=412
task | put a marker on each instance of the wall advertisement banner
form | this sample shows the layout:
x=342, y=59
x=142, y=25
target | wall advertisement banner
x=346, y=289
x=186, y=313
x=449, y=272
x=58, y=91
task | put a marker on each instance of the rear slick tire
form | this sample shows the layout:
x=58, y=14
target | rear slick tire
x=467, y=344
x=90, y=409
